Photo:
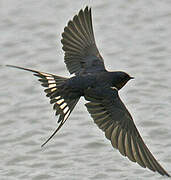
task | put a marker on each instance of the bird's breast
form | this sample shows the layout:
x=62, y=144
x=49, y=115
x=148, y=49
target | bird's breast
x=81, y=82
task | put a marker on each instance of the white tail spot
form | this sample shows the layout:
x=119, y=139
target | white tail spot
x=51, y=81
x=50, y=78
x=44, y=74
x=60, y=101
x=53, y=89
x=58, y=97
x=63, y=105
x=66, y=109
x=52, y=85
x=66, y=116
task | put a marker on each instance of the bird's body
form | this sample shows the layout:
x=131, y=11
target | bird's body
x=102, y=79
x=99, y=87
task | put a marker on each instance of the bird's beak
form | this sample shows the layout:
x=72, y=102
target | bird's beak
x=132, y=78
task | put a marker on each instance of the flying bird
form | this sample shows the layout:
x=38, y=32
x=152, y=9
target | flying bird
x=99, y=87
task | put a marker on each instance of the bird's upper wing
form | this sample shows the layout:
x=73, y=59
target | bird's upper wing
x=81, y=53
x=111, y=115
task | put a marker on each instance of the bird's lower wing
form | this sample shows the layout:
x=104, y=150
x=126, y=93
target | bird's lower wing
x=111, y=115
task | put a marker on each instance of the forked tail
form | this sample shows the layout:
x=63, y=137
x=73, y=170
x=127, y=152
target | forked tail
x=61, y=102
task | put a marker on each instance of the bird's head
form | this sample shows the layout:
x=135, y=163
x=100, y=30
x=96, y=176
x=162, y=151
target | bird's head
x=121, y=78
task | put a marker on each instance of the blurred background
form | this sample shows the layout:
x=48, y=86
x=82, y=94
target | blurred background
x=134, y=36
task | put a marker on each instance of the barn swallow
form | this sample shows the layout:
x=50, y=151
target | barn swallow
x=99, y=87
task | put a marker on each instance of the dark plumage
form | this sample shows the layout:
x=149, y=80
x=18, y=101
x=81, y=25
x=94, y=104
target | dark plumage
x=99, y=87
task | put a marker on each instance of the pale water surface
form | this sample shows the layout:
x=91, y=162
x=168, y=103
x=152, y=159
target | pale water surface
x=132, y=35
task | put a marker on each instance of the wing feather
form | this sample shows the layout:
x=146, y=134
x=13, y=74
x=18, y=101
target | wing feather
x=81, y=53
x=111, y=115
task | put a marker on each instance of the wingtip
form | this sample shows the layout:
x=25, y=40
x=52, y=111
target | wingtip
x=168, y=175
x=87, y=8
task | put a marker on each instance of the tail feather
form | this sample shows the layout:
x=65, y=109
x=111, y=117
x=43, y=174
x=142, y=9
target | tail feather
x=63, y=104
x=62, y=118
x=53, y=92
